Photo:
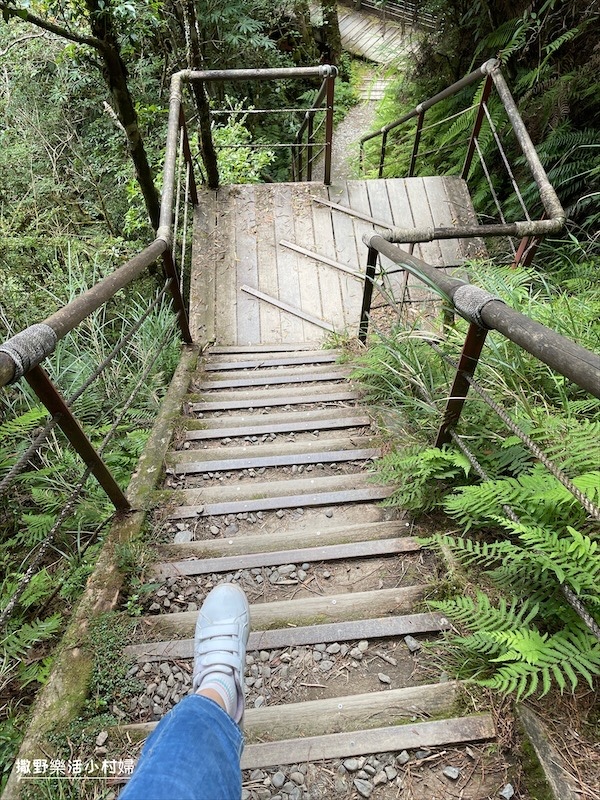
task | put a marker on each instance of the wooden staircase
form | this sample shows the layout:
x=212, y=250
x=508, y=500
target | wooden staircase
x=271, y=488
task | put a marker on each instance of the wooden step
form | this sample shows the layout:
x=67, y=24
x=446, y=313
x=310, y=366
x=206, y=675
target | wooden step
x=284, y=540
x=280, y=638
x=267, y=402
x=337, y=714
x=278, y=377
x=262, y=489
x=276, y=347
x=232, y=464
x=264, y=392
x=308, y=357
x=336, y=552
x=368, y=494
x=313, y=415
x=419, y=735
x=270, y=449
x=305, y=611
x=300, y=426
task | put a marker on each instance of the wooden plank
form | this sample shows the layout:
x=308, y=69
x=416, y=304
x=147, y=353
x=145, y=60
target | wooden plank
x=319, y=357
x=277, y=377
x=231, y=464
x=276, y=503
x=458, y=730
x=289, y=427
x=225, y=268
x=464, y=213
x=348, y=248
x=259, y=357
x=403, y=218
x=351, y=212
x=269, y=402
x=280, y=638
x=298, y=312
x=336, y=552
x=306, y=611
x=292, y=326
x=322, y=388
x=328, y=280
x=202, y=278
x=336, y=714
x=261, y=489
x=283, y=540
x=272, y=347
x=442, y=215
x=247, y=314
x=312, y=301
x=265, y=449
x=268, y=280
x=421, y=211
x=322, y=259
x=252, y=419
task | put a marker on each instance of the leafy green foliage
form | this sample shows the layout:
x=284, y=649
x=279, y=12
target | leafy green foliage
x=505, y=642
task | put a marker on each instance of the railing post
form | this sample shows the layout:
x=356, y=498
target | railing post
x=329, y=128
x=310, y=142
x=467, y=364
x=382, y=154
x=413, y=158
x=41, y=384
x=187, y=153
x=367, y=295
x=487, y=88
x=182, y=317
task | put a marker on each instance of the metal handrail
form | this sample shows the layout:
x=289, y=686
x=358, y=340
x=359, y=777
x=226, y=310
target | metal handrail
x=486, y=312
x=326, y=95
x=22, y=354
x=71, y=315
x=554, y=215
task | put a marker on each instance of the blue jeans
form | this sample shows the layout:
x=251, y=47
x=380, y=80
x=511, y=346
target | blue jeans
x=193, y=754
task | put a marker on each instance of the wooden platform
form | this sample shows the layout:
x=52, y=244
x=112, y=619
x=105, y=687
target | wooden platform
x=237, y=242
x=369, y=36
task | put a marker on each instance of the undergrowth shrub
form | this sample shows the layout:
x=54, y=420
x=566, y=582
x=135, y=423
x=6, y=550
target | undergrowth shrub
x=525, y=643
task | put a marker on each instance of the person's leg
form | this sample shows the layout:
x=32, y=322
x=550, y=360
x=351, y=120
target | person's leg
x=194, y=753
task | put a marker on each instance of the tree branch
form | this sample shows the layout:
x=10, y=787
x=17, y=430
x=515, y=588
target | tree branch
x=45, y=25
x=20, y=40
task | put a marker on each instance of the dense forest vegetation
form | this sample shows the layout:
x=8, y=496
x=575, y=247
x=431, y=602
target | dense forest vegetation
x=84, y=101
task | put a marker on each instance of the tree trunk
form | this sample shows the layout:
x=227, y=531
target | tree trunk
x=194, y=59
x=115, y=72
x=332, y=29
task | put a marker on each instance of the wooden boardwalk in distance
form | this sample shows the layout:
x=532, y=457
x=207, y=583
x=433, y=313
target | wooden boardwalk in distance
x=249, y=236
x=369, y=36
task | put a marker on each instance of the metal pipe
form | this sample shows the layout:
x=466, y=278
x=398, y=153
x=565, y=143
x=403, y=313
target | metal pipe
x=188, y=157
x=487, y=88
x=469, y=358
x=367, y=295
x=472, y=77
x=382, y=154
x=329, y=130
x=415, y=150
x=556, y=351
x=550, y=201
x=168, y=186
x=309, y=143
x=50, y=397
x=324, y=71
x=182, y=317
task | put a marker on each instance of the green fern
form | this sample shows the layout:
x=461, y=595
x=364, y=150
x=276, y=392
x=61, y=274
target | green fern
x=504, y=641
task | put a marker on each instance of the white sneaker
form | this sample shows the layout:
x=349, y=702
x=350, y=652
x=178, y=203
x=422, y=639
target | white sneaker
x=222, y=632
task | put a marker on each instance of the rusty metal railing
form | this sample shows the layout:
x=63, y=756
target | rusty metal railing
x=306, y=153
x=528, y=230
x=22, y=355
x=484, y=312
